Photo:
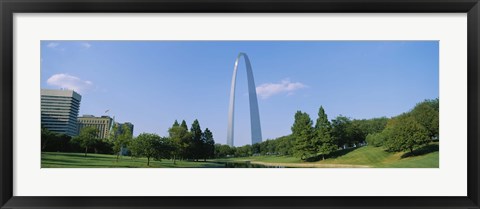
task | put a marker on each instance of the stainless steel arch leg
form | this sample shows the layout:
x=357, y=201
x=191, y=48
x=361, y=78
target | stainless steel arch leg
x=252, y=94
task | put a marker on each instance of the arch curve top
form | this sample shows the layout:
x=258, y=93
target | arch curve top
x=256, y=131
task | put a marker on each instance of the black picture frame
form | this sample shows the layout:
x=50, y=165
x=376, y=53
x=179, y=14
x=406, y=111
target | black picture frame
x=9, y=7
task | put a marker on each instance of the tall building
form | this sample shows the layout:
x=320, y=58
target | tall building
x=103, y=124
x=59, y=110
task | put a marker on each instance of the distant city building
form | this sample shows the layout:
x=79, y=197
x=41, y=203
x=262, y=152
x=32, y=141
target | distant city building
x=130, y=126
x=103, y=124
x=121, y=127
x=120, y=130
x=59, y=110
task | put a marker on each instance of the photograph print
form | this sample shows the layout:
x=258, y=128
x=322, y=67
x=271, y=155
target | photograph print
x=239, y=104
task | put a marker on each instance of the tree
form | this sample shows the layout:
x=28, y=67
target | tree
x=256, y=149
x=376, y=139
x=404, y=133
x=87, y=137
x=355, y=132
x=175, y=124
x=179, y=138
x=427, y=114
x=197, y=143
x=303, y=132
x=340, y=130
x=209, y=146
x=183, y=125
x=348, y=132
x=263, y=147
x=149, y=146
x=55, y=142
x=223, y=150
x=284, y=145
x=113, y=138
x=47, y=137
x=370, y=126
x=122, y=139
x=243, y=151
x=324, y=142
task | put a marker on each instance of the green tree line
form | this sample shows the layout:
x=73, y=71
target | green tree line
x=409, y=130
x=180, y=144
x=320, y=140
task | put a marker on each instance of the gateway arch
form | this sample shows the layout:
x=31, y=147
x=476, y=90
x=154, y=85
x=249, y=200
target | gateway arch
x=252, y=96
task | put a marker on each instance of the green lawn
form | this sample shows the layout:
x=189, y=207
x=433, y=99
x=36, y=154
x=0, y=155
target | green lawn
x=77, y=160
x=377, y=157
x=426, y=157
x=430, y=160
x=367, y=155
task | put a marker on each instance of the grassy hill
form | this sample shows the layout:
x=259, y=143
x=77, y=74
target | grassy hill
x=377, y=157
x=426, y=157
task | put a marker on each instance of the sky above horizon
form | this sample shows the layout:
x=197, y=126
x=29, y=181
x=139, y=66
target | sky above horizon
x=153, y=83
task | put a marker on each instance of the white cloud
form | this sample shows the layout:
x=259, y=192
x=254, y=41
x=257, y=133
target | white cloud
x=53, y=45
x=69, y=82
x=267, y=90
x=86, y=45
x=56, y=46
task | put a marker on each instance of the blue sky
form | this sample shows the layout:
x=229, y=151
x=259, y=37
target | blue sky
x=153, y=83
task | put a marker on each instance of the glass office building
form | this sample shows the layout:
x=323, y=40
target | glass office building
x=59, y=109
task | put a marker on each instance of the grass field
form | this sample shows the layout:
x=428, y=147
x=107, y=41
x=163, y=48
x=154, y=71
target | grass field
x=77, y=160
x=368, y=156
x=427, y=157
x=377, y=157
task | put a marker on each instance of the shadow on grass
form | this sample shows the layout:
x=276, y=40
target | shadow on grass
x=78, y=155
x=422, y=150
x=62, y=165
x=63, y=161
